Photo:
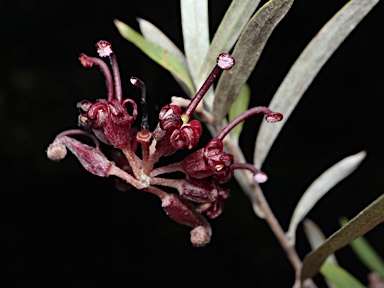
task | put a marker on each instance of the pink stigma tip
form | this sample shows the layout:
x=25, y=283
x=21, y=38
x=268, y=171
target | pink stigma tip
x=225, y=61
x=85, y=61
x=104, y=48
x=260, y=177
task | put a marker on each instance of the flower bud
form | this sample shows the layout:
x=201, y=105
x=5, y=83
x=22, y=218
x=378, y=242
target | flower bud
x=203, y=190
x=182, y=211
x=114, y=119
x=201, y=235
x=90, y=158
x=209, y=161
x=56, y=151
x=187, y=136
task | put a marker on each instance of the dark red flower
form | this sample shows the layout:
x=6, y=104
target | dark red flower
x=209, y=161
x=109, y=121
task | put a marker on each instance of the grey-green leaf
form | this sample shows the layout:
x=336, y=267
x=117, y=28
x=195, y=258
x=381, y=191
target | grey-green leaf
x=246, y=53
x=306, y=67
x=157, y=53
x=366, y=253
x=236, y=17
x=239, y=106
x=323, y=184
x=194, y=21
x=339, y=277
x=316, y=237
x=154, y=34
x=366, y=220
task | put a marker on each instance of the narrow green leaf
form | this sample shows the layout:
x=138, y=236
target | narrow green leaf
x=194, y=21
x=246, y=53
x=324, y=183
x=339, y=276
x=236, y=17
x=157, y=53
x=154, y=34
x=306, y=67
x=366, y=220
x=239, y=106
x=366, y=253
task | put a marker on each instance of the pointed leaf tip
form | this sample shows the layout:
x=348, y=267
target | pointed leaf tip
x=322, y=185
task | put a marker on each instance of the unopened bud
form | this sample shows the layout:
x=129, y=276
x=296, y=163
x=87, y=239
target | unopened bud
x=91, y=158
x=56, y=151
x=182, y=211
x=201, y=235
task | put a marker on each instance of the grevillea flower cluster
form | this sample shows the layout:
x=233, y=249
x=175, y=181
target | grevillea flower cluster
x=108, y=122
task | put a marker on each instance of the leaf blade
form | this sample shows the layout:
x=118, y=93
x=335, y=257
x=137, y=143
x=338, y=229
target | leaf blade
x=316, y=237
x=157, y=53
x=322, y=185
x=154, y=34
x=366, y=253
x=306, y=67
x=246, y=53
x=236, y=17
x=239, y=106
x=363, y=222
x=339, y=276
x=194, y=22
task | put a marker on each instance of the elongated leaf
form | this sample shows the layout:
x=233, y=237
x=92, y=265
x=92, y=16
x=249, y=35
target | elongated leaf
x=236, y=17
x=246, y=53
x=194, y=21
x=316, y=237
x=157, y=53
x=366, y=253
x=154, y=34
x=320, y=187
x=339, y=276
x=306, y=67
x=366, y=220
x=239, y=106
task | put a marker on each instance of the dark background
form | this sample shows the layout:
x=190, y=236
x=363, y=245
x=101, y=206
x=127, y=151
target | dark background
x=63, y=227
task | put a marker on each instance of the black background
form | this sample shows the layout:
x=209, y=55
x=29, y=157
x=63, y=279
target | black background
x=63, y=227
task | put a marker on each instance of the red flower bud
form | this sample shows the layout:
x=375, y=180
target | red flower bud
x=187, y=135
x=169, y=117
x=114, y=119
x=209, y=161
x=177, y=135
x=91, y=158
x=203, y=190
x=182, y=211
